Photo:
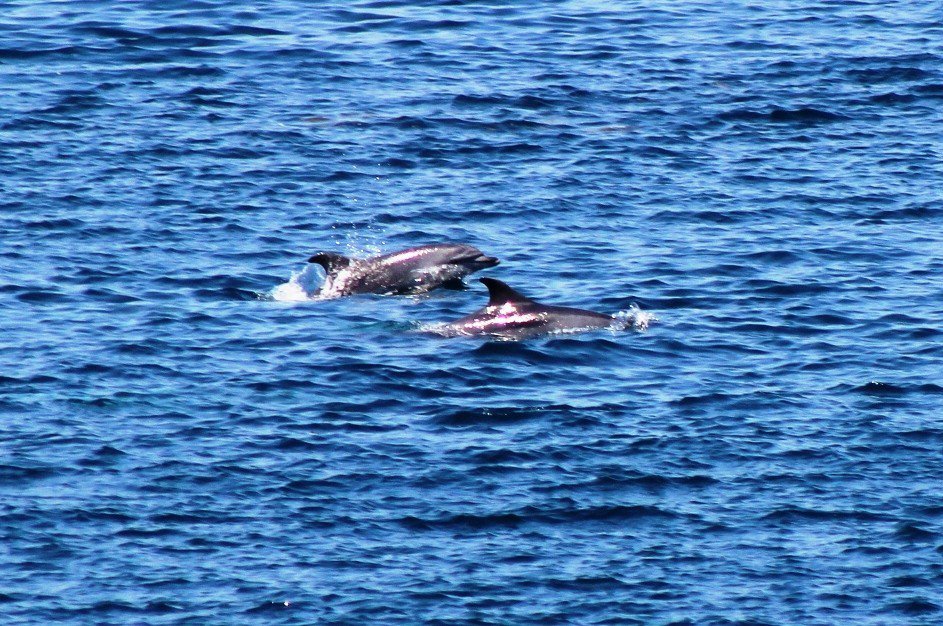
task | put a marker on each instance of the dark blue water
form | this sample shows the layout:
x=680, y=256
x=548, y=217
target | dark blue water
x=180, y=446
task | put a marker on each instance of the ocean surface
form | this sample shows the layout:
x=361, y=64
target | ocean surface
x=184, y=440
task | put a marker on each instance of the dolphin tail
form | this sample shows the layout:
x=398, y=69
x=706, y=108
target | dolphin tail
x=331, y=261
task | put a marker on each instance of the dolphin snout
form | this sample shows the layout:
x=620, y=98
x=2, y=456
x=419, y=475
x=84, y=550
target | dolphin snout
x=486, y=261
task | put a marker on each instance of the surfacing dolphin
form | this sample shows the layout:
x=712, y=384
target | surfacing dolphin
x=512, y=315
x=414, y=270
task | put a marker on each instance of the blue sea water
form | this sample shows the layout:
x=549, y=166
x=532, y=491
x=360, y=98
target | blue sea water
x=181, y=444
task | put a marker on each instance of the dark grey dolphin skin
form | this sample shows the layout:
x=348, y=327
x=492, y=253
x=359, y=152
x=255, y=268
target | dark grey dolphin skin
x=512, y=315
x=414, y=270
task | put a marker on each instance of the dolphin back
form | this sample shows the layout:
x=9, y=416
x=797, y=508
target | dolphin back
x=434, y=255
x=510, y=314
x=409, y=271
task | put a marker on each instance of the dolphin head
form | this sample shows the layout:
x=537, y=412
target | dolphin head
x=463, y=255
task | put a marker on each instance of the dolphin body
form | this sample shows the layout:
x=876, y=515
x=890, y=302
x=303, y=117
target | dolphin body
x=512, y=315
x=414, y=270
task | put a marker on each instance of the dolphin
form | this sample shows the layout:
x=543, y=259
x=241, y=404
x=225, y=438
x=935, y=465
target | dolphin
x=512, y=315
x=414, y=270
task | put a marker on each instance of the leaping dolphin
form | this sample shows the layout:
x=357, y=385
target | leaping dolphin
x=512, y=315
x=414, y=270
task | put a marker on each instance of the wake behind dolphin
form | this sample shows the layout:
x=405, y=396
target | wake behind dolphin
x=410, y=271
x=512, y=315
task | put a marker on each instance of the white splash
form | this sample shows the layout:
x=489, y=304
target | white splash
x=298, y=288
x=635, y=318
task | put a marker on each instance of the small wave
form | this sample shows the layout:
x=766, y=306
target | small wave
x=478, y=100
x=227, y=293
x=498, y=415
x=915, y=606
x=604, y=514
x=270, y=606
x=19, y=474
x=910, y=531
x=807, y=115
x=802, y=115
x=42, y=296
x=908, y=581
x=24, y=53
x=789, y=514
x=881, y=388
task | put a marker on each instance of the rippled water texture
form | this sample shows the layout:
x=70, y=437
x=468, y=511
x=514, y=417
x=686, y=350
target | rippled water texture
x=181, y=445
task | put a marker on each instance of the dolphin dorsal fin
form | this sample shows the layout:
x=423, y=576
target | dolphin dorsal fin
x=331, y=261
x=500, y=293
